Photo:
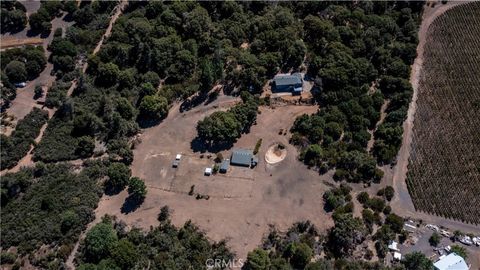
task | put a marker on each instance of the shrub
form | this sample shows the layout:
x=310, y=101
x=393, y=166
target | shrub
x=18, y=144
x=257, y=146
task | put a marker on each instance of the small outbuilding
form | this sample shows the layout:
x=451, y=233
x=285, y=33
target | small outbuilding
x=288, y=83
x=208, y=171
x=451, y=262
x=393, y=246
x=397, y=256
x=242, y=157
x=224, y=166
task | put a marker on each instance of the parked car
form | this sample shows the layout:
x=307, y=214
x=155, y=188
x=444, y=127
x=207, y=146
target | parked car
x=176, y=162
x=21, y=85
x=466, y=240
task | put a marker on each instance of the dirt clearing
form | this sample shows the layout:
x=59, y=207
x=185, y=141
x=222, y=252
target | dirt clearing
x=238, y=206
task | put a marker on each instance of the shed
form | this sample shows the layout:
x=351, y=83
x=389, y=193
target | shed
x=397, y=256
x=208, y=171
x=242, y=157
x=224, y=166
x=451, y=262
x=288, y=83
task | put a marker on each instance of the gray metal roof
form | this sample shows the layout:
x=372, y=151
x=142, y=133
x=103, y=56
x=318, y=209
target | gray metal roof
x=242, y=157
x=287, y=79
x=224, y=165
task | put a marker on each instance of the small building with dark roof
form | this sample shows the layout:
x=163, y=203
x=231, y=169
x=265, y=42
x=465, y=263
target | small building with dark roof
x=288, y=83
x=242, y=157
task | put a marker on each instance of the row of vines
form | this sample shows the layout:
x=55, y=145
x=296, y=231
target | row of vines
x=444, y=166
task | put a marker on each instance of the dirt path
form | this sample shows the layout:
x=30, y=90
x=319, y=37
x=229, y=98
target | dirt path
x=118, y=11
x=24, y=102
x=403, y=204
x=383, y=114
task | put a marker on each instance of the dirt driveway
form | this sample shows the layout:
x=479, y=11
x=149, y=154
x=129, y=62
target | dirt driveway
x=244, y=202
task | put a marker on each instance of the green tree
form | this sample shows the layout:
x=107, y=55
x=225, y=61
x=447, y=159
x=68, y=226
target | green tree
x=417, y=261
x=389, y=193
x=107, y=74
x=118, y=174
x=69, y=220
x=124, y=254
x=460, y=251
x=38, y=92
x=16, y=71
x=333, y=130
x=85, y=146
x=153, y=107
x=346, y=235
x=395, y=222
x=257, y=260
x=125, y=108
x=39, y=21
x=13, y=20
x=313, y=155
x=99, y=241
x=363, y=197
x=164, y=214
x=137, y=189
x=206, y=75
x=301, y=255
x=320, y=265
x=434, y=240
x=219, y=127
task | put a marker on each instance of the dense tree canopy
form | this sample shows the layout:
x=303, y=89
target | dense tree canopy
x=226, y=127
x=47, y=205
x=108, y=246
x=13, y=16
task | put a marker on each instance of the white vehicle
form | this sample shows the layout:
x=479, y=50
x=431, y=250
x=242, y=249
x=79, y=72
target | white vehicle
x=445, y=233
x=176, y=161
x=476, y=240
x=433, y=227
x=466, y=240
x=21, y=85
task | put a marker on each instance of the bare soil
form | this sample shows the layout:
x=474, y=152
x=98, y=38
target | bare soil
x=244, y=202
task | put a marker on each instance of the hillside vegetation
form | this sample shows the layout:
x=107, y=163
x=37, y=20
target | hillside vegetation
x=359, y=57
x=444, y=166
x=47, y=207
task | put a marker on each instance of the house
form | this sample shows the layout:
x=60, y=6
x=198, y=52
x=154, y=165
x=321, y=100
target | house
x=288, y=83
x=451, y=262
x=243, y=157
x=224, y=166
x=393, y=246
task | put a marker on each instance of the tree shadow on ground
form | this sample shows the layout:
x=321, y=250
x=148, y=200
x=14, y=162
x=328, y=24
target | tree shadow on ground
x=192, y=102
x=199, y=145
x=130, y=205
x=111, y=190
x=148, y=123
